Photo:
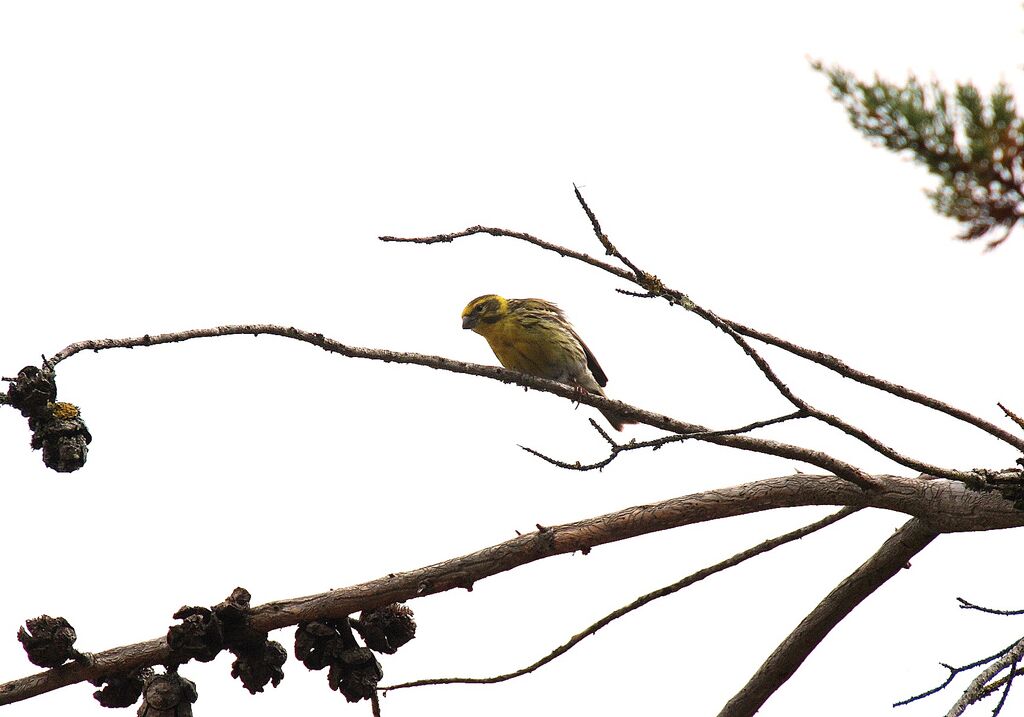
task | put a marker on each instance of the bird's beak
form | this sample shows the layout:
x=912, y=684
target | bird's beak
x=468, y=322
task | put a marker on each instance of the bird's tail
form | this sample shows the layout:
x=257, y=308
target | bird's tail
x=613, y=418
x=616, y=420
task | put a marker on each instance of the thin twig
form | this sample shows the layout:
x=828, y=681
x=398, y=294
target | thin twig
x=839, y=366
x=655, y=444
x=742, y=442
x=973, y=693
x=953, y=672
x=965, y=605
x=1011, y=415
x=523, y=236
x=638, y=294
x=603, y=433
x=823, y=416
x=675, y=587
x=1008, y=681
x=609, y=248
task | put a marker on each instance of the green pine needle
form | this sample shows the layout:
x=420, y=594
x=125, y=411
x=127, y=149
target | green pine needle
x=971, y=144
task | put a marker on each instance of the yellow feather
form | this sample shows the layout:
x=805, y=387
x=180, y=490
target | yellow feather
x=534, y=337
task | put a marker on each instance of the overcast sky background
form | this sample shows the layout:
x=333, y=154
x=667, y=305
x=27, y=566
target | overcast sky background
x=173, y=166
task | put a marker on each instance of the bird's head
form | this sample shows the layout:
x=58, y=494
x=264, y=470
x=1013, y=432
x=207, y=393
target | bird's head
x=484, y=311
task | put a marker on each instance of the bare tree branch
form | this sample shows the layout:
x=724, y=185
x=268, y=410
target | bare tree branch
x=953, y=672
x=824, y=416
x=675, y=587
x=976, y=690
x=893, y=556
x=946, y=505
x=984, y=683
x=837, y=365
x=1004, y=684
x=742, y=442
x=655, y=288
x=619, y=448
x=522, y=236
x=965, y=605
x=640, y=276
x=1008, y=680
x=654, y=285
x=1011, y=415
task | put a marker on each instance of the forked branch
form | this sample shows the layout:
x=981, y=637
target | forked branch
x=675, y=587
x=988, y=681
x=618, y=449
x=980, y=685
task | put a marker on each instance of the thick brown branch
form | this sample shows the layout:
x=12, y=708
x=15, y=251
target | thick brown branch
x=675, y=587
x=945, y=505
x=747, y=443
x=893, y=556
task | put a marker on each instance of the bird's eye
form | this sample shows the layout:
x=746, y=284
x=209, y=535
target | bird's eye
x=477, y=309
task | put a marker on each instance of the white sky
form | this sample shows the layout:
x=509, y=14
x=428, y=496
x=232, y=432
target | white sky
x=170, y=166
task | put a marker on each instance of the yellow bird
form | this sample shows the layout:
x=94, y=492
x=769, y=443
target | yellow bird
x=533, y=336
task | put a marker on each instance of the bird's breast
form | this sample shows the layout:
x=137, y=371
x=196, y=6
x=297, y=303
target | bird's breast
x=531, y=350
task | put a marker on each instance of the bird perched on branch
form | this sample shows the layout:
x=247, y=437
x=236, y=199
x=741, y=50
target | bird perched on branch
x=533, y=336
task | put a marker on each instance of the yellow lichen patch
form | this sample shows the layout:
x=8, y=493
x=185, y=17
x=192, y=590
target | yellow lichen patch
x=64, y=411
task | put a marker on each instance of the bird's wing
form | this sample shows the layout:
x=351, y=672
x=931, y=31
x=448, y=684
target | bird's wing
x=592, y=364
x=595, y=368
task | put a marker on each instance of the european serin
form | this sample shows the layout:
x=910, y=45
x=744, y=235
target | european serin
x=533, y=336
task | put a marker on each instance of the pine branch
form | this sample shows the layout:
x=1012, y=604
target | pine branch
x=972, y=145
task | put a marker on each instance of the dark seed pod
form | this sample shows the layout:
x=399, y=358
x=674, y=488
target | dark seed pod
x=64, y=438
x=256, y=668
x=32, y=390
x=198, y=637
x=49, y=641
x=385, y=629
x=168, y=695
x=122, y=690
x=319, y=644
x=356, y=674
